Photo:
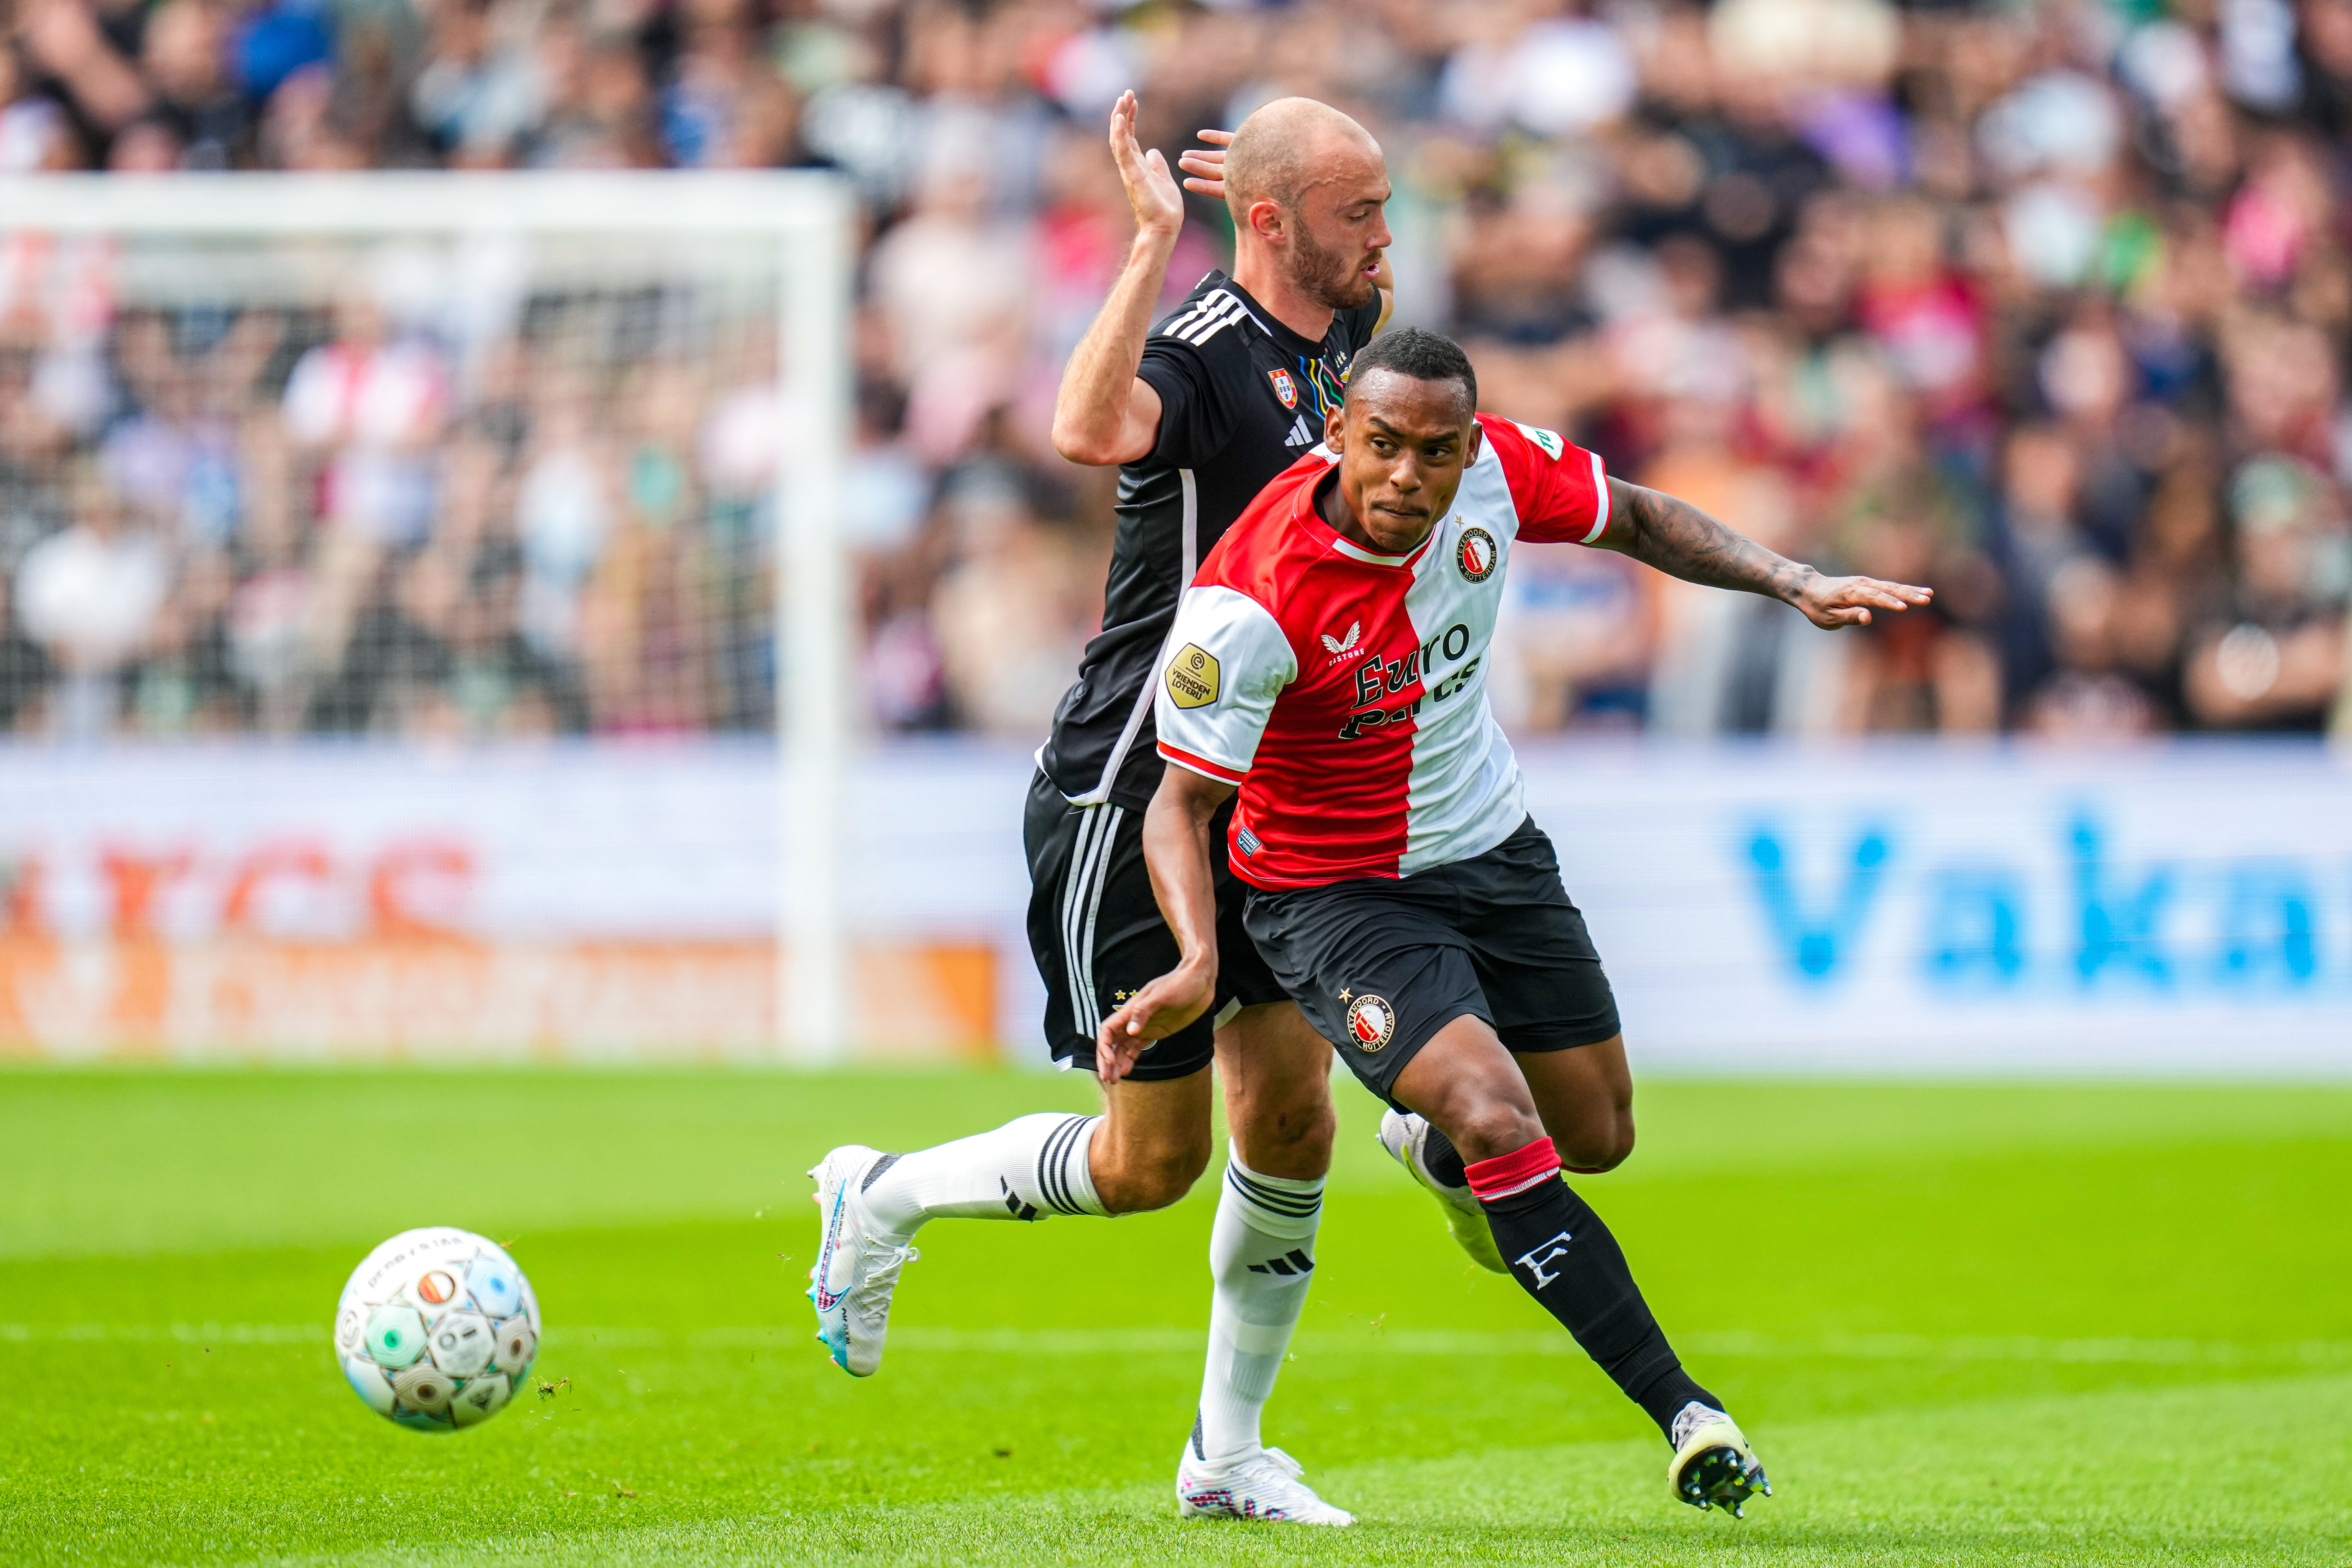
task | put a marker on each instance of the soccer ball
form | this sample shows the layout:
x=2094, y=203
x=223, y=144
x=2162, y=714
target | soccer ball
x=437, y=1329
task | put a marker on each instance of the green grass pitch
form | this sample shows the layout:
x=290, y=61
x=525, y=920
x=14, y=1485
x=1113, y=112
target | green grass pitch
x=1965, y=1324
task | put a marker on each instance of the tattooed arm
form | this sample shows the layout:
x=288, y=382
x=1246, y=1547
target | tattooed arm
x=1678, y=538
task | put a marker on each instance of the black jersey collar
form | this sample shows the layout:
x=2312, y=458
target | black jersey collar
x=1271, y=324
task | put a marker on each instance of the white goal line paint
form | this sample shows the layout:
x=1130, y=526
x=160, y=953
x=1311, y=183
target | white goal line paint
x=1732, y=1343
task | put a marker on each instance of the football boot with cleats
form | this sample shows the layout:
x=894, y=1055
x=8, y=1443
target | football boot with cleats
x=856, y=1266
x=1713, y=1465
x=1262, y=1484
x=1405, y=1137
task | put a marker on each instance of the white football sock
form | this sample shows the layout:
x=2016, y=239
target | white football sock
x=1262, y=1254
x=1030, y=1167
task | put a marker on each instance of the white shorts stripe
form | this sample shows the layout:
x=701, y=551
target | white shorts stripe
x=1073, y=890
x=1104, y=843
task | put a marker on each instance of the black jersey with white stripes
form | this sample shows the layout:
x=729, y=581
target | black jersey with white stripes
x=1242, y=397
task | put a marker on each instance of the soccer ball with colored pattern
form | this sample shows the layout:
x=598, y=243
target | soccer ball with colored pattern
x=437, y=1329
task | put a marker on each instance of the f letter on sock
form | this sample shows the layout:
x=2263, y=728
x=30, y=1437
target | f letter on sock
x=1563, y=1255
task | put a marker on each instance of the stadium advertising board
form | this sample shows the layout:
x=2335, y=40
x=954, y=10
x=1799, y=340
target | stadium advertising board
x=2176, y=910
x=2179, y=909
x=360, y=900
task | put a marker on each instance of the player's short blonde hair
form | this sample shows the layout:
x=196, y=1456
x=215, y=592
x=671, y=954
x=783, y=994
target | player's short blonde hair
x=1282, y=151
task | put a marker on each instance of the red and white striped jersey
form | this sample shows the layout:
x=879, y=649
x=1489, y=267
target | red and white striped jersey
x=1345, y=692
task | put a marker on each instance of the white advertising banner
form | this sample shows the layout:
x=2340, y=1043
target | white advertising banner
x=359, y=900
x=2184, y=909
x=2172, y=909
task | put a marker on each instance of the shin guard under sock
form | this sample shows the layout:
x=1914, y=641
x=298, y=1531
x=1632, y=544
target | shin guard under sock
x=1563, y=1255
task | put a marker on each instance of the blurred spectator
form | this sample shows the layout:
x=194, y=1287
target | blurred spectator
x=2276, y=660
x=35, y=136
x=366, y=407
x=24, y=670
x=952, y=284
x=185, y=55
x=89, y=594
x=478, y=94
x=1008, y=608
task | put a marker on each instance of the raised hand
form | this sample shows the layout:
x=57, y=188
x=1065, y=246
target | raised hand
x=1834, y=601
x=1206, y=165
x=1151, y=192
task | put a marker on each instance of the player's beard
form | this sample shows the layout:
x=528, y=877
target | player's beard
x=1330, y=280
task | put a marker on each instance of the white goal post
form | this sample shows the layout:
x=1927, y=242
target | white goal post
x=807, y=217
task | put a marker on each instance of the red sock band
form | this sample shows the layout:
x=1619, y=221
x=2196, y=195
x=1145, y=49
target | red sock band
x=1515, y=1172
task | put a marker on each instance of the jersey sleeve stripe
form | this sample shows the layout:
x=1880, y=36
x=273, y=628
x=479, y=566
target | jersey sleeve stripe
x=1224, y=772
x=1219, y=325
x=1599, y=501
x=1215, y=318
x=1185, y=325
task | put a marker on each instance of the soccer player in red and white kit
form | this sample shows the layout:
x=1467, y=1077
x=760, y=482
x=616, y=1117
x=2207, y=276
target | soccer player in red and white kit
x=1329, y=664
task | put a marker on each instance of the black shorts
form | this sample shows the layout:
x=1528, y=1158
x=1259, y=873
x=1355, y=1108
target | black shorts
x=1380, y=965
x=1097, y=935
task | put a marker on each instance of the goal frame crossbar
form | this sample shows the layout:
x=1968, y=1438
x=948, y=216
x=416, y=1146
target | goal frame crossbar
x=809, y=216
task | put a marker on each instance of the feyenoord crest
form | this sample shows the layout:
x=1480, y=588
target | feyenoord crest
x=1371, y=1022
x=1284, y=387
x=1476, y=554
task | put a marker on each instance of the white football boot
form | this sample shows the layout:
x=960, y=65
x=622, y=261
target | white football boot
x=1713, y=1465
x=857, y=1265
x=1403, y=1136
x=1261, y=1485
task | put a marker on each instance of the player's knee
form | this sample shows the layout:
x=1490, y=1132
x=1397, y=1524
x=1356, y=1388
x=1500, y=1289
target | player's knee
x=1600, y=1147
x=1487, y=1129
x=1151, y=1176
x=1284, y=1136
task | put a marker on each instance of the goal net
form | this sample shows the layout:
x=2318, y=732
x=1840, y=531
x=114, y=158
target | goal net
x=403, y=468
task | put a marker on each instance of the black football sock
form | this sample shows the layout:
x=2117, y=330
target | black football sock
x=1441, y=1160
x=1563, y=1255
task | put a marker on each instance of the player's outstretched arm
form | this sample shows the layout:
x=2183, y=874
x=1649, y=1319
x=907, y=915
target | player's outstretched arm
x=1177, y=850
x=1104, y=413
x=1675, y=537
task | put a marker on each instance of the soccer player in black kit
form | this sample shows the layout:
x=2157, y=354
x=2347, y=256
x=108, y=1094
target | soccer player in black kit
x=1200, y=412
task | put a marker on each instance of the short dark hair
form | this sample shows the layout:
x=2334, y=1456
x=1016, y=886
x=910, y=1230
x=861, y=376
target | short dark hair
x=1419, y=353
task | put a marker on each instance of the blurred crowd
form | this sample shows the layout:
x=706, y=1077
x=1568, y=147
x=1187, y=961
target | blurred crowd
x=2046, y=306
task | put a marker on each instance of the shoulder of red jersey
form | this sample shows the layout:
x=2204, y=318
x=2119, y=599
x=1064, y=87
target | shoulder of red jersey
x=1559, y=490
x=1261, y=552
